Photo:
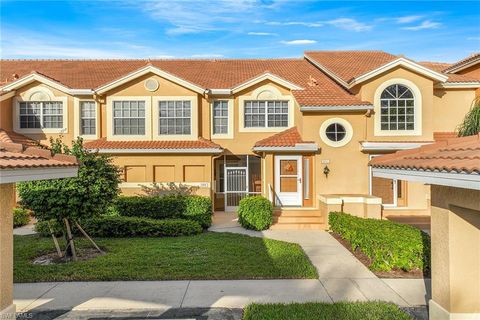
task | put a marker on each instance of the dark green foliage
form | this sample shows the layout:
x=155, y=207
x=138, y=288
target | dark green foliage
x=209, y=255
x=77, y=198
x=471, y=123
x=21, y=217
x=255, y=213
x=388, y=244
x=117, y=227
x=325, y=311
x=58, y=228
x=195, y=208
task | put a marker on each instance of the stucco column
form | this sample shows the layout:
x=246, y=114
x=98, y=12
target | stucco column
x=7, y=198
x=455, y=254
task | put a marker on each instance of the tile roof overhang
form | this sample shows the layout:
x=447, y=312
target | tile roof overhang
x=200, y=146
x=25, y=162
x=372, y=146
x=463, y=64
x=309, y=86
x=285, y=141
x=454, y=162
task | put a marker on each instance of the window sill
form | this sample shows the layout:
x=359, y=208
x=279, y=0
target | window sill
x=46, y=130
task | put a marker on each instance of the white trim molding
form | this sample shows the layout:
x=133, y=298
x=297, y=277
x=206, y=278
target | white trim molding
x=193, y=118
x=327, y=71
x=417, y=98
x=340, y=143
x=390, y=146
x=143, y=71
x=263, y=93
x=77, y=117
x=459, y=85
x=39, y=93
x=134, y=185
x=231, y=115
x=54, y=84
x=464, y=65
x=299, y=147
x=30, y=174
x=451, y=179
x=7, y=95
x=152, y=150
x=336, y=108
x=263, y=77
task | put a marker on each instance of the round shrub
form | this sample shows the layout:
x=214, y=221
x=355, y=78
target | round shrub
x=255, y=213
x=21, y=217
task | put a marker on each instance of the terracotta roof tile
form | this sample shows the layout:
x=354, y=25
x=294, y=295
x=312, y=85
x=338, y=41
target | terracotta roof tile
x=452, y=77
x=453, y=155
x=16, y=155
x=10, y=136
x=201, y=143
x=209, y=74
x=348, y=65
x=441, y=136
x=287, y=138
x=467, y=60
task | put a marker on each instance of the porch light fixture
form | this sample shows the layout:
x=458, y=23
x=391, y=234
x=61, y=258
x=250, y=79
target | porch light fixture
x=326, y=171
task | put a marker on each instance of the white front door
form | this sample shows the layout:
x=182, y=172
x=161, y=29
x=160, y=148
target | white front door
x=288, y=180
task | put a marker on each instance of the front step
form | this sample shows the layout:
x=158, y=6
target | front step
x=298, y=226
x=298, y=219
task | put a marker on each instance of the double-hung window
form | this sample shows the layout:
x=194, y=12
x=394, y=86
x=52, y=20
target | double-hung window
x=175, y=117
x=41, y=114
x=129, y=117
x=87, y=118
x=220, y=117
x=266, y=113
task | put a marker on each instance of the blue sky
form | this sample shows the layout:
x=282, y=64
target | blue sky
x=432, y=30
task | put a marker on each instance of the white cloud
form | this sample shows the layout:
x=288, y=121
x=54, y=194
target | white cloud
x=349, y=24
x=408, y=19
x=298, y=42
x=294, y=23
x=427, y=24
x=262, y=34
x=207, y=55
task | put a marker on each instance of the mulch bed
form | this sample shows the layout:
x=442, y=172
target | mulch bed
x=395, y=273
x=53, y=258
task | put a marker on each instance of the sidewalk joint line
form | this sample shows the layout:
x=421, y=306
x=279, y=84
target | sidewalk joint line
x=184, y=295
x=48, y=290
x=328, y=294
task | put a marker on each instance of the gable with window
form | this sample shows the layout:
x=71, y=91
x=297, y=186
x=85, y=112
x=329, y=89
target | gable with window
x=38, y=110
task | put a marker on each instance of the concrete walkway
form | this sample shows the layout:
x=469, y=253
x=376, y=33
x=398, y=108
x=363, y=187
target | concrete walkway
x=341, y=278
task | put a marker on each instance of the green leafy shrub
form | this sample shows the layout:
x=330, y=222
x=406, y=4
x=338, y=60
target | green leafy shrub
x=41, y=227
x=388, y=244
x=196, y=208
x=21, y=217
x=471, y=123
x=118, y=226
x=255, y=213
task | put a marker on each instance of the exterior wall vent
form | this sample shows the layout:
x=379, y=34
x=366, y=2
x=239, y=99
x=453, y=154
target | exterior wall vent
x=151, y=84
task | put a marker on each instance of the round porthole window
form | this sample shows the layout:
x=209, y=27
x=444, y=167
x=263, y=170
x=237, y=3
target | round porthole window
x=336, y=132
x=151, y=84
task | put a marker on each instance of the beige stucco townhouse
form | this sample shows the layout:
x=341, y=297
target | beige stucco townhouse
x=452, y=168
x=298, y=131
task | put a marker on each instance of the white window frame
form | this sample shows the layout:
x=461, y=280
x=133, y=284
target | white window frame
x=263, y=93
x=336, y=144
x=78, y=118
x=42, y=94
x=230, y=129
x=131, y=117
x=156, y=118
x=110, y=118
x=174, y=116
x=417, y=98
x=266, y=113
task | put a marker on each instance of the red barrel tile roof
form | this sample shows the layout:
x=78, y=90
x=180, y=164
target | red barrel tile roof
x=201, y=143
x=15, y=155
x=453, y=155
x=287, y=138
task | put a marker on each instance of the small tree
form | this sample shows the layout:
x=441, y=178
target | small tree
x=471, y=123
x=70, y=200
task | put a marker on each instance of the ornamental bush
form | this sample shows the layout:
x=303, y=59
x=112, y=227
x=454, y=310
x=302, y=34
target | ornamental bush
x=255, y=213
x=118, y=226
x=21, y=217
x=191, y=207
x=388, y=244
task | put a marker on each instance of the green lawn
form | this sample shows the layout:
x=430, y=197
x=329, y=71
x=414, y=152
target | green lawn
x=205, y=256
x=325, y=311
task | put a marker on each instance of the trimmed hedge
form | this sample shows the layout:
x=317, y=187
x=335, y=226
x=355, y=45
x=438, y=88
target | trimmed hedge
x=21, y=217
x=255, y=213
x=118, y=226
x=192, y=207
x=388, y=244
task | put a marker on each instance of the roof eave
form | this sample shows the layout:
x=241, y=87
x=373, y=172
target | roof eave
x=300, y=147
x=305, y=108
x=12, y=175
x=390, y=146
x=462, y=66
x=159, y=150
x=266, y=76
x=459, y=85
x=451, y=179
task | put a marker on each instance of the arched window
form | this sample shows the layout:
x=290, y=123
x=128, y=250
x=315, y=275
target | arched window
x=397, y=108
